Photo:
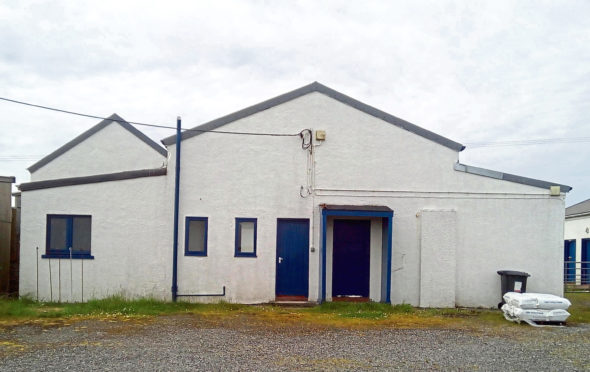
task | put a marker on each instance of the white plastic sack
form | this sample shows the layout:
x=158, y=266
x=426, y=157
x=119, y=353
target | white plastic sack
x=536, y=301
x=537, y=315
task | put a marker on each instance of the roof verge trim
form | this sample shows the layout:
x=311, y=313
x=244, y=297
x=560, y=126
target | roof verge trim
x=317, y=87
x=509, y=177
x=114, y=118
x=107, y=177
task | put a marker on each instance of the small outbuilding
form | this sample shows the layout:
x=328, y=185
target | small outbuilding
x=311, y=195
x=576, y=245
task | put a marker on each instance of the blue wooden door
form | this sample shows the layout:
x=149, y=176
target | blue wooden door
x=585, y=261
x=569, y=258
x=292, y=257
x=351, y=258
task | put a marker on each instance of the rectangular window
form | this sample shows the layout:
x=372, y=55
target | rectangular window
x=245, y=237
x=65, y=232
x=195, y=239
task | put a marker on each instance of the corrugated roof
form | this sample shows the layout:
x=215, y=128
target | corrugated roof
x=114, y=118
x=582, y=208
x=317, y=87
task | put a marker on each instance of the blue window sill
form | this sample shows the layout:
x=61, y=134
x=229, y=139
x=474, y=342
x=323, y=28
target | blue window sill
x=245, y=255
x=67, y=256
x=196, y=254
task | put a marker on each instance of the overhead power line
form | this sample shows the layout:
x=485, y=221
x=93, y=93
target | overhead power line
x=472, y=145
x=147, y=124
x=540, y=141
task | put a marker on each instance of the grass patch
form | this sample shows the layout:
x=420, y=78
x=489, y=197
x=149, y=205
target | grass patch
x=580, y=308
x=115, y=305
x=366, y=310
x=332, y=314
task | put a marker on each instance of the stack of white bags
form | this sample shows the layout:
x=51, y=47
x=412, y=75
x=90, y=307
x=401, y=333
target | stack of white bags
x=535, y=307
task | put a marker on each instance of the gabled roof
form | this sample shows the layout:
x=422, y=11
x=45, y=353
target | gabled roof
x=317, y=87
x=509, y=177
x=114, y=118
x=582, y=208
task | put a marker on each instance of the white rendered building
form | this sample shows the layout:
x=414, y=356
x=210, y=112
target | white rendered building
x=342, y=201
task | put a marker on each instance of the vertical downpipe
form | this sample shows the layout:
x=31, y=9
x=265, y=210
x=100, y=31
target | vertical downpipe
x=71, y=278
x=50, y=283
x=37, y=274
x=176, y=200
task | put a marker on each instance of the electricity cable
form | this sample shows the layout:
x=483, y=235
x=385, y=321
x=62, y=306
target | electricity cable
x=148, y=124
x=472, y=145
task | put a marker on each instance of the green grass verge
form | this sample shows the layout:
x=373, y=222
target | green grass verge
x=366, y=310
x=580, y=308
x=376, y=313
x=116, y=305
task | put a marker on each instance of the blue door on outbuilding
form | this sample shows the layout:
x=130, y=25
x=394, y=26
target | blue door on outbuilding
x=292, y=257
x=351, y=258
x=569, y=258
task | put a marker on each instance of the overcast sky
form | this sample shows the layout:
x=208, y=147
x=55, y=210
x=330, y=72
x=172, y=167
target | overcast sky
x=470, y=71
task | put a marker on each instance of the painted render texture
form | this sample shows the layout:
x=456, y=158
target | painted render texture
x=451, y=230
x=112, y=149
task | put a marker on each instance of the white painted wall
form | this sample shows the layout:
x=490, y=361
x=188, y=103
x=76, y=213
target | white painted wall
x=112, y=149
x=577, y=228
x=130, y=241
x=364, y=161
x=438, y=263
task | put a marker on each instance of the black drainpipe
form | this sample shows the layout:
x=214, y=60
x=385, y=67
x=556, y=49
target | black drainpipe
x=176, y=200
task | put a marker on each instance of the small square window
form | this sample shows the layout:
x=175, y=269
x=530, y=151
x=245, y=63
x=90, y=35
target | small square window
x=68, y=231
x=245, y=237
x=195, y=241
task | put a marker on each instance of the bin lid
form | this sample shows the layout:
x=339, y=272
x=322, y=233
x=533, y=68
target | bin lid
x=511, y=272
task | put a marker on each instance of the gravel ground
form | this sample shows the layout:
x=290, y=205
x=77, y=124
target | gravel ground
x=183, y=343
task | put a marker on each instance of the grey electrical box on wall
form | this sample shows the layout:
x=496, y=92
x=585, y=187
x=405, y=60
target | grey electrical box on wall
x=320, y=135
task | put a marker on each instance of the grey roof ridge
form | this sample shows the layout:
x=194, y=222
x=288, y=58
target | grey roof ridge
x=310, y=88
x=96, y=178
x=114, y=118
x=509, y=177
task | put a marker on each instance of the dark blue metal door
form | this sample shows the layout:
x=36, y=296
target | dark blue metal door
x=292, y=257
x=569, y=258
x=585, y=261
x=351, y=258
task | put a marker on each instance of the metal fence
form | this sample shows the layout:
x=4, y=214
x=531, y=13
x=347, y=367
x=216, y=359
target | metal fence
x=576, y=276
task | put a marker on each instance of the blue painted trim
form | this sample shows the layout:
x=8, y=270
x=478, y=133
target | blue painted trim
x=237, y=252
x=176, y=202
x=67, y=256
x=186, y=237
x=51, y=253
x=389, y=258
x=347, y=213
x=324, y=229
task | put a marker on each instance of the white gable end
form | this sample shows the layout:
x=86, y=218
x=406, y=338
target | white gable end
x=111, y=149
